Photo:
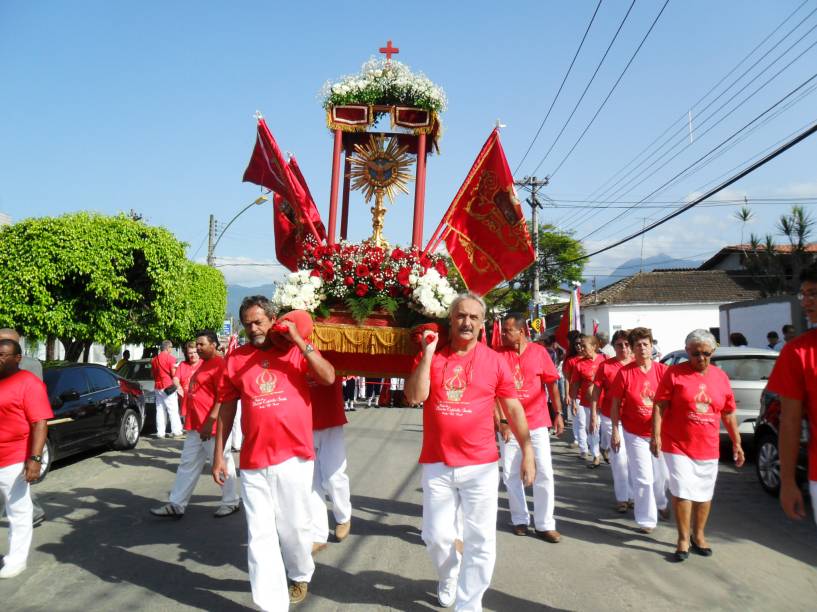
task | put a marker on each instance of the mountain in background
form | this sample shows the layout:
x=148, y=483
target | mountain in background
x=632, y=266
x=236, y=293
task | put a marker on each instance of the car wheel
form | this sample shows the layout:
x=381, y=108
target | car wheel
x=48, y=458
x=768, y=464
x=129, y=429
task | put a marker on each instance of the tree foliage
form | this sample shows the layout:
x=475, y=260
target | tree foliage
x=778, y=270
x=85, y=277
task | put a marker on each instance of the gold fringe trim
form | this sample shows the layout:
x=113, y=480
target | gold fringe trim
x=363, y=339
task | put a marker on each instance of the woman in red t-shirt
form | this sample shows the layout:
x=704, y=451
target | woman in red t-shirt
x=184, y=372
x=692, y=399
x=633, y=394
x=581, y=390
x=574, y=353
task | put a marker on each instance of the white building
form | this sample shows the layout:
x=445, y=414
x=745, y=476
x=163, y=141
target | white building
x=670, y=302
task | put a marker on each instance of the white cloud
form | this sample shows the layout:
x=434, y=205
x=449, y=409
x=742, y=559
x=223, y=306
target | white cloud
x=798, y=190
x=725, y=195
x=250, y=272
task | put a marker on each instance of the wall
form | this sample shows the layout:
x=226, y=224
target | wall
x=670, y=323
x=755, y=318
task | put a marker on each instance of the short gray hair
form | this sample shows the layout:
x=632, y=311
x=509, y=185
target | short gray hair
x=701, y=336
x=166, y=344
x=469, y=296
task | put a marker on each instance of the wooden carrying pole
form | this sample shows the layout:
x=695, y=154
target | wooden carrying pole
x=333, y=192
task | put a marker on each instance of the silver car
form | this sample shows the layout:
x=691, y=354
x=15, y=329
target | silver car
x=748, y=370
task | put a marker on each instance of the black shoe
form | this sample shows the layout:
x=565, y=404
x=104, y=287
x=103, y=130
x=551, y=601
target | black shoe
x=680, y=555
x=704, y=552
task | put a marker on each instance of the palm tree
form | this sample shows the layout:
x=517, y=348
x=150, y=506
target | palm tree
x=744, y=215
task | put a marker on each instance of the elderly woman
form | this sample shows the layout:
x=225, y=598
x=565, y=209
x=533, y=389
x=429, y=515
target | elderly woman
x=633, y=394
x=692, y=398
x=581, y=391
x=601, y=402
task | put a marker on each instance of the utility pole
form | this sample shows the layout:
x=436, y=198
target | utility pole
x=211, y=241
x=533, y=185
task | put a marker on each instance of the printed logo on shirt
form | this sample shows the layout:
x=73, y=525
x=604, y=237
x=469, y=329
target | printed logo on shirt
x=266, y=382
x=702, y=400
x=518, y=378
x=456, y=385
x=647, y=394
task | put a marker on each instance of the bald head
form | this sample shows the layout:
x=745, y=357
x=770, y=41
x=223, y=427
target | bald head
x=6, y=333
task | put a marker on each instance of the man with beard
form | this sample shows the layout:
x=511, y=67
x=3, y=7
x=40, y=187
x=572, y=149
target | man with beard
x=459, y=386
x=269, y=375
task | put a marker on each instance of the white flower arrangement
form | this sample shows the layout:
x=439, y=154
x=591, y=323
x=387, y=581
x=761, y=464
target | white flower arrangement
x=431, y=294
x=385, y=82
x=300, y=291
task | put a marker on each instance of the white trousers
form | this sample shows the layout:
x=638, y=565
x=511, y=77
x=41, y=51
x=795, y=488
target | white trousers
x=15, y=493
x=593, y=436
x=195, y=454
x=543, y=489
x=580, y=429
x=649, y=480
x=329, y=479
x=276, y=504
x=473, y=489
x=622, y=486
x=167, y=407
x=237, y=434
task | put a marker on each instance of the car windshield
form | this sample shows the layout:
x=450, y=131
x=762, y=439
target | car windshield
x=745, y=368
x=136, y=370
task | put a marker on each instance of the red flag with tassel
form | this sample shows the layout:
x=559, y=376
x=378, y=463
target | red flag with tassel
x=496, y=335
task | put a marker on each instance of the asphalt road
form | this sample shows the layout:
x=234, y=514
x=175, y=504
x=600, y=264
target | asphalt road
x=101, y=550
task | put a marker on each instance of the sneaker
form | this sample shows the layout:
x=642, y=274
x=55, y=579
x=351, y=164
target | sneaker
x=167, y=511
x=11, y=571
x=226, y=510
x=447, y=593
x=342, y=530
x=551, y=535
x=297, y=591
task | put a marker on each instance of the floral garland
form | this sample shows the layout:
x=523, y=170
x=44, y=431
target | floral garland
x=365, y=277
x=385, y=82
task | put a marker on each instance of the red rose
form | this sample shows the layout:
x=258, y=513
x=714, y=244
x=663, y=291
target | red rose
x=328, y=276
x=328, y=265
x=349, y=281
x=347, y=265
x=361, y=289
x=379, y=284
x=394, y=291
x=406, y=291
x=440, y=267
x=315, y=273
x=403, y=276
x=362, y=270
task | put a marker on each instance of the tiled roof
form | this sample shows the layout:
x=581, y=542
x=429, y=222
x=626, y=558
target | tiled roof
x=747, y=248
x=677, y=287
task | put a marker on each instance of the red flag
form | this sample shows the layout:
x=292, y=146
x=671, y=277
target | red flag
x=570, y=319
x=486, y=235
x=496, y=335
x=483, y=334
x=267, y=166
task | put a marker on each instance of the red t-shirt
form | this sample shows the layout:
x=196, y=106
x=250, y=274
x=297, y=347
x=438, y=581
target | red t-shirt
x=458, y=416
x=583, y=374
x=202, y=390
x=162, y=367
x=567, y=366
x=327, y=405
x=184, y=371
x=531, y=371
x=276, y=412
x=23, y=401
x=691, y=422
x=636, y=390
x=795, y=376
x=605, y=375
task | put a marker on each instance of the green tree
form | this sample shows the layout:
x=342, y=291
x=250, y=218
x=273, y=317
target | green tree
x=85, y=278
x=558, y=252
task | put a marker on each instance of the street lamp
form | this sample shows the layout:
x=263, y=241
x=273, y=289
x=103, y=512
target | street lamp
x=214, y=240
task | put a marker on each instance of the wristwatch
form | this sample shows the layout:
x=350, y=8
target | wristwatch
x=37, y=458
x=308, y=349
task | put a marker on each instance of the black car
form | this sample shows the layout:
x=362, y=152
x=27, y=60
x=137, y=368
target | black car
x=93, y=407
x=767, y=456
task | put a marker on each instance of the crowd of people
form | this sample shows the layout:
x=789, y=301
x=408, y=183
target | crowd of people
x=657, y=426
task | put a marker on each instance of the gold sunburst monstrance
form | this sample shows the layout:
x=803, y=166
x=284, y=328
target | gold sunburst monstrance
x=379, y=168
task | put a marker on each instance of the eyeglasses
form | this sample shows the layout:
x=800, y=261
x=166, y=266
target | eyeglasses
x=701, y=354
x=807, y=295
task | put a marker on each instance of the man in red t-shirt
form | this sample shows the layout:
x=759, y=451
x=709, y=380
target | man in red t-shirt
x=199, y=445
x=330, y=478
x=534, y=376
x=163, y=368
x=459, y=386
x=24, y=412
x=269, y=375
x=794, y=379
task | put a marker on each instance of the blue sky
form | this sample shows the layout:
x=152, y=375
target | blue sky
x=148, y=106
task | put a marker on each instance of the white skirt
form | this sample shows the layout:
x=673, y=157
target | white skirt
x=691, y=479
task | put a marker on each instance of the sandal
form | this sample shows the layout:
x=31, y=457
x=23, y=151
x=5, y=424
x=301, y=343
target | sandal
x=167, y=511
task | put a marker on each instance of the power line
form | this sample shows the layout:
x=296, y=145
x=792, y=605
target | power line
x=766, y=159
x=610, y=93
x=590, y=82
x=556, y=97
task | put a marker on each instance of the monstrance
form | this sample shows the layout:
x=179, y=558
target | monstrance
x=379, y=168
